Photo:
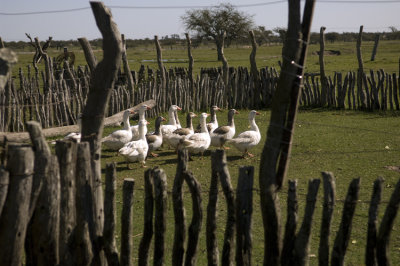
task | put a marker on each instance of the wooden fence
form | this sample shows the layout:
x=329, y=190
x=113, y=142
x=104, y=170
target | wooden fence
x=46, y=209
x=61, y=104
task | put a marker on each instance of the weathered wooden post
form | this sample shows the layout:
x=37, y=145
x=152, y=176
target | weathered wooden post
x=101, y=85
x=127, y=222
x=375, y=49
x=277, y=148
x=163, y=78
x=127, y=71
x=360, y=90
x=343, y=235
x=88, y=52
x=47, y=66
x=7, y=59
x=324, y=83
x=291, y=224
x=254, y=71
x=4, y=182
x=14, y=219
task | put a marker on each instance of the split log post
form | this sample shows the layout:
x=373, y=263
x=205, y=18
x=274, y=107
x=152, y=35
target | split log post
x=160, y=216
x=14, y=219
x=7, y=59
x=127, y=71
x=244, y=212
x=301, y=246
x=88, y=52
x=324, y=82
x=163, y=78
x=327, y=212
x=47, y=66
x=4, y=182
x=1, y=43
x=291, y=224
x=375, y=49
x=277, y=149
x=360, y=90
x=110, y=215
x=101, y=85
x=42, y=243
x=127, y=222
x=254, y=71
x=148, y=218
x=343, y=235
x=225, y=73
x=191, y=62
x=385, y=229
x=197, y=218
x=370, y=251
x=67, y=153
x=178, y=249
x=395, y=92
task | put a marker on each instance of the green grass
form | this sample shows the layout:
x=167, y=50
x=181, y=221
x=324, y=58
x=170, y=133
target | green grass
x=349, y=144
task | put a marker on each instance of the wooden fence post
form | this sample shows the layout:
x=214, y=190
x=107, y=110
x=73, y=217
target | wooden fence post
x=178, y=249
x=148, y=218
x=163, y=78
x=191, y=62
x=291, y=224
x=370, y=250
x=110, y=215
x=127, y=71
x=301, y=246
x=7, y=59
x=4, y=182
x=327, y=211
x=160, y=217
x=127, y=222
x=14, y=219
x=360, y=90
x=244, y=212
x=343, y=235
x=324, y=83
x=197, y=218
x=385, y=229
x=67, y=153
x=375, y=49
x=88, y=52
x=254, y=71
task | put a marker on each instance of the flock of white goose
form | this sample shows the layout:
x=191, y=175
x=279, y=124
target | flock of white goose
x=135, y=143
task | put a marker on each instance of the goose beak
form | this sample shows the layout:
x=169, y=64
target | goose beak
x=258, y=113
x=236, y=112
x=180, y=109
x=163, y=119
x=219, y=109
x=132, y=112
x=148, y=108
x=208, y=115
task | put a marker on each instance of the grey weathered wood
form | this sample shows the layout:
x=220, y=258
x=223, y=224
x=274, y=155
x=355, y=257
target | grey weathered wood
x=385, y=229
x=324, y=84
x=191, y=61
x=254, y=70
x=148, y=219
x=370, y=250
x=178, y=249
x=301, y=246
x=4, y=182
x=66, y=153
x=327, y=212
x=83, y=237
x=127, y=222
x=244, y=212
x=291, y=224
x=162, y=71
x=47, y=64
x=361, y=94
x=7, y=59
x=395, y=92
x=160, y=216
x=127, y=70
x=211, y=223
x=110, y=215
x=343, y=235
x=88, y=52
x=375, y=49
x=14, y=218
x=197, y=218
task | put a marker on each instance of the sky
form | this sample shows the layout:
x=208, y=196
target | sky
x=164, y=18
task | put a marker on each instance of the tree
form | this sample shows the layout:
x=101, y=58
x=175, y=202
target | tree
x=215, y=22
x=262, y=35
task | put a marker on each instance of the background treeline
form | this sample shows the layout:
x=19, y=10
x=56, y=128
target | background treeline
x=263, y=37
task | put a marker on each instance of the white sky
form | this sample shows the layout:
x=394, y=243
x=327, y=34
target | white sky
x=335, y=15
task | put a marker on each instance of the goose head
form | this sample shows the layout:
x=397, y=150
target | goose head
x=253, y=114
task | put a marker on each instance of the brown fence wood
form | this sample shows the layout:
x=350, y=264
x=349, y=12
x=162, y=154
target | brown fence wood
x=291, y=224
x=4, y=182
x=127, y=222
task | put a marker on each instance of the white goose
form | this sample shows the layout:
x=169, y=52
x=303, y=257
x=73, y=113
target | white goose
x=118, y=138
x=76, y=136
x=155, y=139
x=248, y=139
x=180, y=133
x=198, y=142
x=221, y=134
x=213, y=122
x=135, y=129
x=136, y=151
x=171, y=125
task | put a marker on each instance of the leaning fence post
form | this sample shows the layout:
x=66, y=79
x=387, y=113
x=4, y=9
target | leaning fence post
x=14, y=218
x=88, y=52
x=178, y=249
x=291, y=224
x=197, y=218
x=148, y=219
x=4, y=182
x=370, y=251
x=244, y=211
x=126, y=222
x=160, y=217
x=385, y=229
x=343, y=235
x=110, y=209
x=301, y=246
x=327, y=211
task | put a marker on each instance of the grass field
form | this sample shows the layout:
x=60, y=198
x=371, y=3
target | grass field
x=387, y=57
x=349, y=144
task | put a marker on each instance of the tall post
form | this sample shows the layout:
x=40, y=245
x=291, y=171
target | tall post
x=360, y=90
x=162, y=71
x=324, y=83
